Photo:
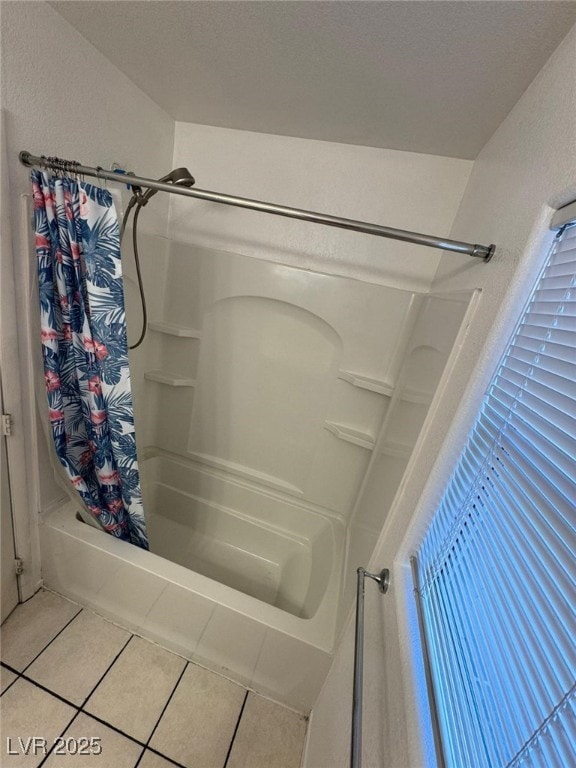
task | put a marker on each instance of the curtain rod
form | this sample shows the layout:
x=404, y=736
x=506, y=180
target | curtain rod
x=484, y=252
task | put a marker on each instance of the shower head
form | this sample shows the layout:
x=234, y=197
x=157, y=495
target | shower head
x=179, y=176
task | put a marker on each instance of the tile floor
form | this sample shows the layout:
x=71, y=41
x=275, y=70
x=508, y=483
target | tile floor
x=93, y=694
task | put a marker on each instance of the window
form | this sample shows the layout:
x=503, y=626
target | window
x=497, y=565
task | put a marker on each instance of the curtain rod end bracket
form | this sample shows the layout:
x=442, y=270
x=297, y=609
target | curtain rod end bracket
x=484, y=252
x=382, y=578
x=25, y=159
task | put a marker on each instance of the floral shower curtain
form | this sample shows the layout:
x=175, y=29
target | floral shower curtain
x=85, y=351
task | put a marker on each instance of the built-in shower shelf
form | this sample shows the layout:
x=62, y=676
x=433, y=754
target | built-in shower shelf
x=379, y=386
x=395, y=449
x=172, y=329
x=418, y=396
x=170, y=379
x=350, y=435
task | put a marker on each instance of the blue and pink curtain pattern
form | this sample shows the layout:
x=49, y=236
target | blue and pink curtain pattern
x=85, y=350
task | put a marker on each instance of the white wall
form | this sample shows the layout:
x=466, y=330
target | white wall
x=398, y=189
x=60, y=96
x=527, y=167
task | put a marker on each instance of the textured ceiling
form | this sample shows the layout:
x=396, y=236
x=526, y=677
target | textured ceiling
x=435, y=77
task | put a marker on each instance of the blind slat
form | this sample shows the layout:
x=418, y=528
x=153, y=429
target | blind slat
x=553, y=453
x=562, y=377
x=554, y=480
x=539, y=416
x=553, y=349
x=564, y=322
x=536, y=390
x=538, y=333
x=552, y=309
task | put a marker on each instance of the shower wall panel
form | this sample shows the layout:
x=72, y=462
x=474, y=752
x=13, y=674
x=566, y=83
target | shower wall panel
x=433, y=339
x=153, y=251
x=409, y=190
x=274, y=376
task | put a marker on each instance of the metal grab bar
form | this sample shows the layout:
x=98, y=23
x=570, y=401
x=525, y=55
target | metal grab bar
x=383, y=580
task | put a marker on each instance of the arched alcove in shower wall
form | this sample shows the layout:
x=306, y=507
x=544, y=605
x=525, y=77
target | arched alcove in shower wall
x=264, y=386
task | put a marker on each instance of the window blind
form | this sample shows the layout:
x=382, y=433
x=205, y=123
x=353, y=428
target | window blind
x=497, y=564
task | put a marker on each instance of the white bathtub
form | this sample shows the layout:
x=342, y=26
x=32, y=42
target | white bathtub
x=251, y=596
x=257, y=543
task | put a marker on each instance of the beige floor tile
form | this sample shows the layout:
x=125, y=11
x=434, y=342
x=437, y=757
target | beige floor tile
x=134, y=692
x=198, y=725
x=269, y=736
x=6, y=678
x=108, y=748
x=85, y=649
x=28, y=711
x=32, y=625
x=152, y=760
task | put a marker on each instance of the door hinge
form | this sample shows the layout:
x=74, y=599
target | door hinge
x=18, y=566
x=6, y=424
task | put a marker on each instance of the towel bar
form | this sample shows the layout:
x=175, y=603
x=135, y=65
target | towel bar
x=383, y=581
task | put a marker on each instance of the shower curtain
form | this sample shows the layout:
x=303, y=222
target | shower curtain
x=85, y=351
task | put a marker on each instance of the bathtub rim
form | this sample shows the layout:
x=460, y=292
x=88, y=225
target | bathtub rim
x=319, y=631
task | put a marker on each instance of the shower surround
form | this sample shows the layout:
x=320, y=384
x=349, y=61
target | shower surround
x=276, y=411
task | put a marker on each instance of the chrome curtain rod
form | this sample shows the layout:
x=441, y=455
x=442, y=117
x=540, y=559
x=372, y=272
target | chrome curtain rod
x=484, y=252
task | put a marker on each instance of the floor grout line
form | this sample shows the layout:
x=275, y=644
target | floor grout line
x=52, y=640
x=114, y=660
x=236, y=730
x=9, y=686
x=161, y=754
x=113, y=727
x=48, y=690
x=59, y=736
x=181, y=675
x=8, y=667
x=14, y=672
x=137, y=763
